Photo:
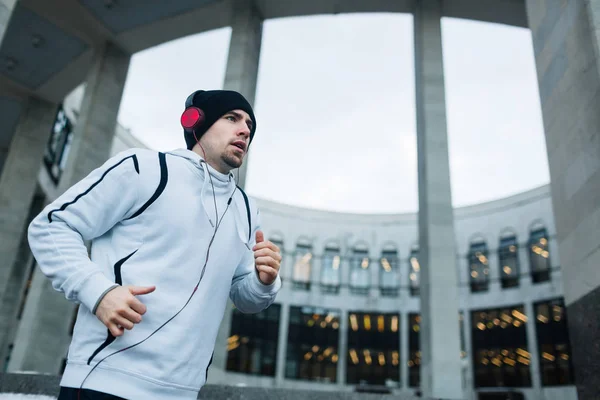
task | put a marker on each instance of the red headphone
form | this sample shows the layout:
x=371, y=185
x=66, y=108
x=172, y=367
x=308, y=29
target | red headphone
x=192, y=117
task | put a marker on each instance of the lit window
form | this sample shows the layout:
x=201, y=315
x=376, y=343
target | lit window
x=414, y=272
x=479, y=266
x=252, y=342
x=499, y=348
x=360, y=275
x=302, y=266
x=553, y=343
x=373, y=356
x=539, y=255
x=389, y=273
x=414, y=350
x=330, y=269
x=508, y=257
x=312, y=350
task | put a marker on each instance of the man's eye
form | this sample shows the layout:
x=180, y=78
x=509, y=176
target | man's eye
x=231, y=118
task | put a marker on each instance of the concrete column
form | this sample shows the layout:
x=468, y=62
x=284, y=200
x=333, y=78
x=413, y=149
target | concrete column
x=342, y=348
x=566, y=39
x=524, y=266
x=18, y=180
x=284, y=322
x=316, y=266
x=440, y=341
x=494, y=275
x=94, y=130
x=241, y=75
x=532, y=348
x=6, y=9
x=243, y=58
x=90, y=148
x=403, y=329
x=469, y=383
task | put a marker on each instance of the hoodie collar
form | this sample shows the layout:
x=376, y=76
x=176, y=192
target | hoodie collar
x=201, y=164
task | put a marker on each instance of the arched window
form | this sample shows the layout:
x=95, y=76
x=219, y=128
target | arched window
x=330, y=268
x=389, y=274
x=414, y=271
x=479, y=269
x=508, y=257
x=539, y=255
x=360, y=276
x=302, y=265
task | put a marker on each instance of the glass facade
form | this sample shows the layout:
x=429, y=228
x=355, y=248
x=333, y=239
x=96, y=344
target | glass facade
x=302, y=266
x=508, y=257
x=59, y=143
x=553, y=343
x=414, y=350
x=360, y=275
x=312, y=347
x=539, y=255
x=479, y=267
x=252, y=344
x=330, y=270
x=389, y=274
x=414, y=272
x=499, y=348
x=373, y=349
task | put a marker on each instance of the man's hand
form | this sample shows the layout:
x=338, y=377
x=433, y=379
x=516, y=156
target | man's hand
x=120, y=309
x=267, y=258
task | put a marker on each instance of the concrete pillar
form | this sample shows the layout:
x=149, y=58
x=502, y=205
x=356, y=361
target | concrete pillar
x=284, y=322
x=566, y=40
x=6, y=9
x=95, y=127
x=440, y=334
x=532, y=348
x=243, y=58
x=342, y=348
x=90, y=148
x=469, y=381
x=241, y=75
x=404, y=350
x=18, y=180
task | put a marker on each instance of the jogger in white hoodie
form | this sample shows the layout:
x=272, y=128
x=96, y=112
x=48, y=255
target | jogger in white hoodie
x=172, y=237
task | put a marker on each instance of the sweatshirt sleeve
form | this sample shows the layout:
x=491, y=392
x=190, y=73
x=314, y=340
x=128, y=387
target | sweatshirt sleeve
x=248, y=293
x=85, y=211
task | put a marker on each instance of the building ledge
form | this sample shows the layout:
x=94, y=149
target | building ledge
x=36, y=384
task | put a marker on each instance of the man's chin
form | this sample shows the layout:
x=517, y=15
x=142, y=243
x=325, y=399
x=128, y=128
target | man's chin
x=233, y=162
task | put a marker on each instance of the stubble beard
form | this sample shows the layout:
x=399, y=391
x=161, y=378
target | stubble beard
x=232, y=160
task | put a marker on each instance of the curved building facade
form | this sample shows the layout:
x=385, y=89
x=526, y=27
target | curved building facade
x=357, y=309
x=349, y=311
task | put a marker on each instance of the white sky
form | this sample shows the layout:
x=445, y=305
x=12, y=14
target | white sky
x=335, y=109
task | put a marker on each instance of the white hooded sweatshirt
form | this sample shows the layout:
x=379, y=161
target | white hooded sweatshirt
x=150, y=218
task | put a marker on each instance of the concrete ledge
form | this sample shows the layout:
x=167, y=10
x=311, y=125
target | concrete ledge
x=49, y=385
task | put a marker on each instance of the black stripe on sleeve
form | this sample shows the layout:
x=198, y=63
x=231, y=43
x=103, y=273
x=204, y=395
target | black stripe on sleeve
x=164, y=177
x=248, y=213
x=118, y=278
x=64, y=206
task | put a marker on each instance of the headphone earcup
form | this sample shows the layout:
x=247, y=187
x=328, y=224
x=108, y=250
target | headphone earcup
x=192, y=118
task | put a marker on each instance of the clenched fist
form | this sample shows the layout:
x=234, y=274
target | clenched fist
x=120, y=309
x=267, y=258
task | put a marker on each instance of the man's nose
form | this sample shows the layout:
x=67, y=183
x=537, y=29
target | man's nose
x=245, y=132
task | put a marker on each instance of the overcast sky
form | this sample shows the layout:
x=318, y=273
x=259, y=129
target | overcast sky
x=335, y=108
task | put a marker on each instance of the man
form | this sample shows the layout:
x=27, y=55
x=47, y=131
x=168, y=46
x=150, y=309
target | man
x=172, y=236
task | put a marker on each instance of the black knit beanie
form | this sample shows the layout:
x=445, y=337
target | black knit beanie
x=215, y=104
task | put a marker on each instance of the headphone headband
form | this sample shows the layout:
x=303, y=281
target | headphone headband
x=190, y=100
